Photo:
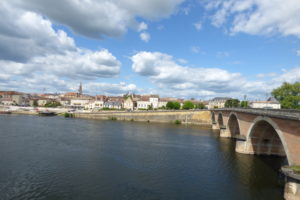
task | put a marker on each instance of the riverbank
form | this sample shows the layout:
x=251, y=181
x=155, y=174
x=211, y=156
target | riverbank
x=199, y=117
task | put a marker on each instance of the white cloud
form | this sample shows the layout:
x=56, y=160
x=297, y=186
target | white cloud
x=142, y=26
x=167, y=74
x=198, y=25
x=272, y=74
x=110, y=88
x=195, y=49
x=291, y=75
x=223, y=54
x=98, y=19
x=172, y=78
x=258, y=17
x=145, y=36
x=298, y=52
x=24, y=35
x=36, y=55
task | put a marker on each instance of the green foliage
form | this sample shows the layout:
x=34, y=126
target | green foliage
x=113, y=118
x=35, y=103
x=52, y=104
x=150, y=107
x=232, y=103
x=162, y=108
x=176, y=105
x=244, y=104
x=188, y=105
x=200, y=106
x=69, y=115
x=288, y=95
x=170, y=105
x=177, y=121
x=107, y=108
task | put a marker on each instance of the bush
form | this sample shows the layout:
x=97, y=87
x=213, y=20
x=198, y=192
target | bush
x=232, y=103
x=177, y=121
x=188, y=105
x=52, y=104
x=200, y=106
x=288, y=95
x=69, y=115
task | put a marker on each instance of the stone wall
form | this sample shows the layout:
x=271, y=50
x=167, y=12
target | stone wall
x=188, y=117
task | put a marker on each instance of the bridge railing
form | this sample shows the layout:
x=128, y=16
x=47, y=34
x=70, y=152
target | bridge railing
x=279, y=113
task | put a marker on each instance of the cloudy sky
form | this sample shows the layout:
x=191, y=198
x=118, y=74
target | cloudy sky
x=176, y=48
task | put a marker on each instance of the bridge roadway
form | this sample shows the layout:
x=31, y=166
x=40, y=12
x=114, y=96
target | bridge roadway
x=263, y=132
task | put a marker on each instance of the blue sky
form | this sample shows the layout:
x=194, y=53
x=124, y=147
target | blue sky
x=176, y=48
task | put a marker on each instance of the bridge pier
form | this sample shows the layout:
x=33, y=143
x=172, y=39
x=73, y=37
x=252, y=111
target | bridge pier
x=292, y=190
x=224, y=132
x=242, y=146
x=215, y=126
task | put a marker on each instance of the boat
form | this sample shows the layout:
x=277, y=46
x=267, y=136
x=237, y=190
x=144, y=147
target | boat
x=47, y=113
x=5, y=112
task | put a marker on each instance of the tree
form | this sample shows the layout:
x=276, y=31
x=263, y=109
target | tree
x=52, y=104
x=35, y=103
x=288, y=95
x=173, y=105
x=188, y=105
x=244, y=104
x=200, y=106
x=170, y=105
x=176, y=105
x=232, y=103
x=150, y=107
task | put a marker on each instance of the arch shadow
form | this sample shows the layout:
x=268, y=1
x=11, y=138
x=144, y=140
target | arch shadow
x=266, y=138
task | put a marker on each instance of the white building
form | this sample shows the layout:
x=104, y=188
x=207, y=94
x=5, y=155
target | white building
x=80, y=102
x=128, y=103
x=271, y=103
x=95, y=105
x=154, y=99
x=218, y=102
x=162, y=103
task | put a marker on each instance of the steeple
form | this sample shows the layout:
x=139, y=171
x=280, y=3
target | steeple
x=80, y=89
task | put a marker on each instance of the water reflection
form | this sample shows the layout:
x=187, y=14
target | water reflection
x=58, y=158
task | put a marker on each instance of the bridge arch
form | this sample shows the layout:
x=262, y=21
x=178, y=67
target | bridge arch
x=266, y=138
x=220, y=120
x=233, y=125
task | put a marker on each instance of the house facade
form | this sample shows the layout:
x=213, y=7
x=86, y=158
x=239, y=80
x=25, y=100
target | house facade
x=271, y=103
x=218, y=102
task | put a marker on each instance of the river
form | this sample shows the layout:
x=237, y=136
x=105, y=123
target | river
x=63, y=158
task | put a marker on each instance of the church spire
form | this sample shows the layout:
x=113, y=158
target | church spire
x=80, y=89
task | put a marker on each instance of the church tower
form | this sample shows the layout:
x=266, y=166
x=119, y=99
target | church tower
x=80, y=89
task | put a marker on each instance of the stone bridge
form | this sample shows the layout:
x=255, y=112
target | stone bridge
x=263, y=132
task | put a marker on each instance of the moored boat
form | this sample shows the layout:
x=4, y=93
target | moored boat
x=5, y=112
x=47, y=113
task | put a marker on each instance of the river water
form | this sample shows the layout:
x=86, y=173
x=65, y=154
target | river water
x=58, y=158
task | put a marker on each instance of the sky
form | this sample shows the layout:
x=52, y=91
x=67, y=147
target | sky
x=174, y=48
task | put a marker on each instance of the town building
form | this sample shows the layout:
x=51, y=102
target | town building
x=80, y=102
x=270, y=103
x=218, y=102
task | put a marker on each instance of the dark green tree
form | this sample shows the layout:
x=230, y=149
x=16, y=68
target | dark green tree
x=35, y=103
x=176, y=105
x=188, y=105
x=200, y=106
x=244, y=104
x=288, y=95
x=232, y=103
x=170, y=105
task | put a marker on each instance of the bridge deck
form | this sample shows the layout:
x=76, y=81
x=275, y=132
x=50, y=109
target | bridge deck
x=277, y=113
